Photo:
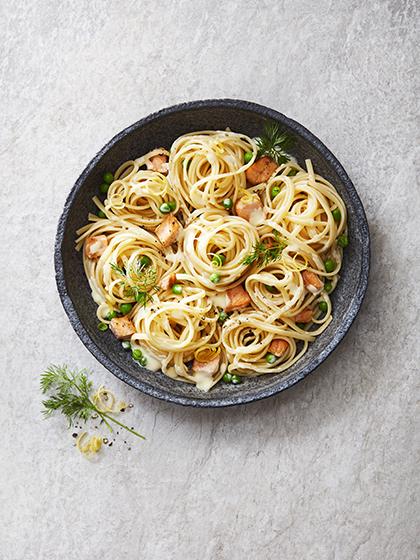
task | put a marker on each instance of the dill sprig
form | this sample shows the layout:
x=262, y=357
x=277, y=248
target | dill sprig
x=274, y=143
x=71, y=396
x=265, y=254
x=140, y=281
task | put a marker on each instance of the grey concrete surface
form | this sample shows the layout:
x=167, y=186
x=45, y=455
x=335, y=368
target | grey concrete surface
x=328, y=470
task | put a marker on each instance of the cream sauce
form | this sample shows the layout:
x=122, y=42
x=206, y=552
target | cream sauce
x=257, y=217
x=218, y=300
x=204, y=381
x=153, y=363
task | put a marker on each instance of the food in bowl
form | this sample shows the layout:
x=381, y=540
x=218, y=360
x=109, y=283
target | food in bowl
x=215, y=259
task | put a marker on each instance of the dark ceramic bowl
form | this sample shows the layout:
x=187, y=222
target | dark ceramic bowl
x=161, y=129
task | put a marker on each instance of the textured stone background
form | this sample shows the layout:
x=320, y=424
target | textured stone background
x=328, y=470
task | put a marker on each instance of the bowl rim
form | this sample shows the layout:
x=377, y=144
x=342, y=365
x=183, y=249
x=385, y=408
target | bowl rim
x=237, y=397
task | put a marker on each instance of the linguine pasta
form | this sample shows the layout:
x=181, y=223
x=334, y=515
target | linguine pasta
x=212, y=260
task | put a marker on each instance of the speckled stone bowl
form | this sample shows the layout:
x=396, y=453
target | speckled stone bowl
x=161, y=129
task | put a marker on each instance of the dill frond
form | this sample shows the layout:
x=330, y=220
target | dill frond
x=264, y=254
x=274, y=143
x=139, y=281
x=71, y=396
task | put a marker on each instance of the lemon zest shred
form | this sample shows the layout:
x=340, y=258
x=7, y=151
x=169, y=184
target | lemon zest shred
x=88, y=445
x=105, y=400
x=122, y=405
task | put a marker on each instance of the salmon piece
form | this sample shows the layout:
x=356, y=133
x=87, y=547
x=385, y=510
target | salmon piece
x=312, y=281
x=122, y=328
x=237, y=298
x=158, y=163
x=260, y=171
x=250, y=209
x=95, y=246
x=278, y=347
x=304, y=316
x=168, y=230
x=168, y=281
x=207, y=368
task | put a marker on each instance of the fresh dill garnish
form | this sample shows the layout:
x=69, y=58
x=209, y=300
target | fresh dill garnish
x=139, y=281
x=118, y=269
x=274, y=143
x=264, y=254
x=70, y=394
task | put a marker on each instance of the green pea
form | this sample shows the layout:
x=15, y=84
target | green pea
x=270, y=358
x=301, y=325
x=125, y=308
x=137, y=354
x=103, y=327
x=126, y=344
x=275, y=191
x=272, y=289
x=336, y=214
x=108, y=177
x=223, y=316
x=228, y=203
x=111, y=315
x=218, y=260
x=171, y=204
x=227, y=378
x=329, y=265
x=101, y=214
x=215, y=278
x=143, y=361
x=104, y=188
x=323, y=306
x=145, y=261
x=165, y=208
x=248, y=156
x=177, y=289
x=343, y=241
x=236, y=380
x=328, y=287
